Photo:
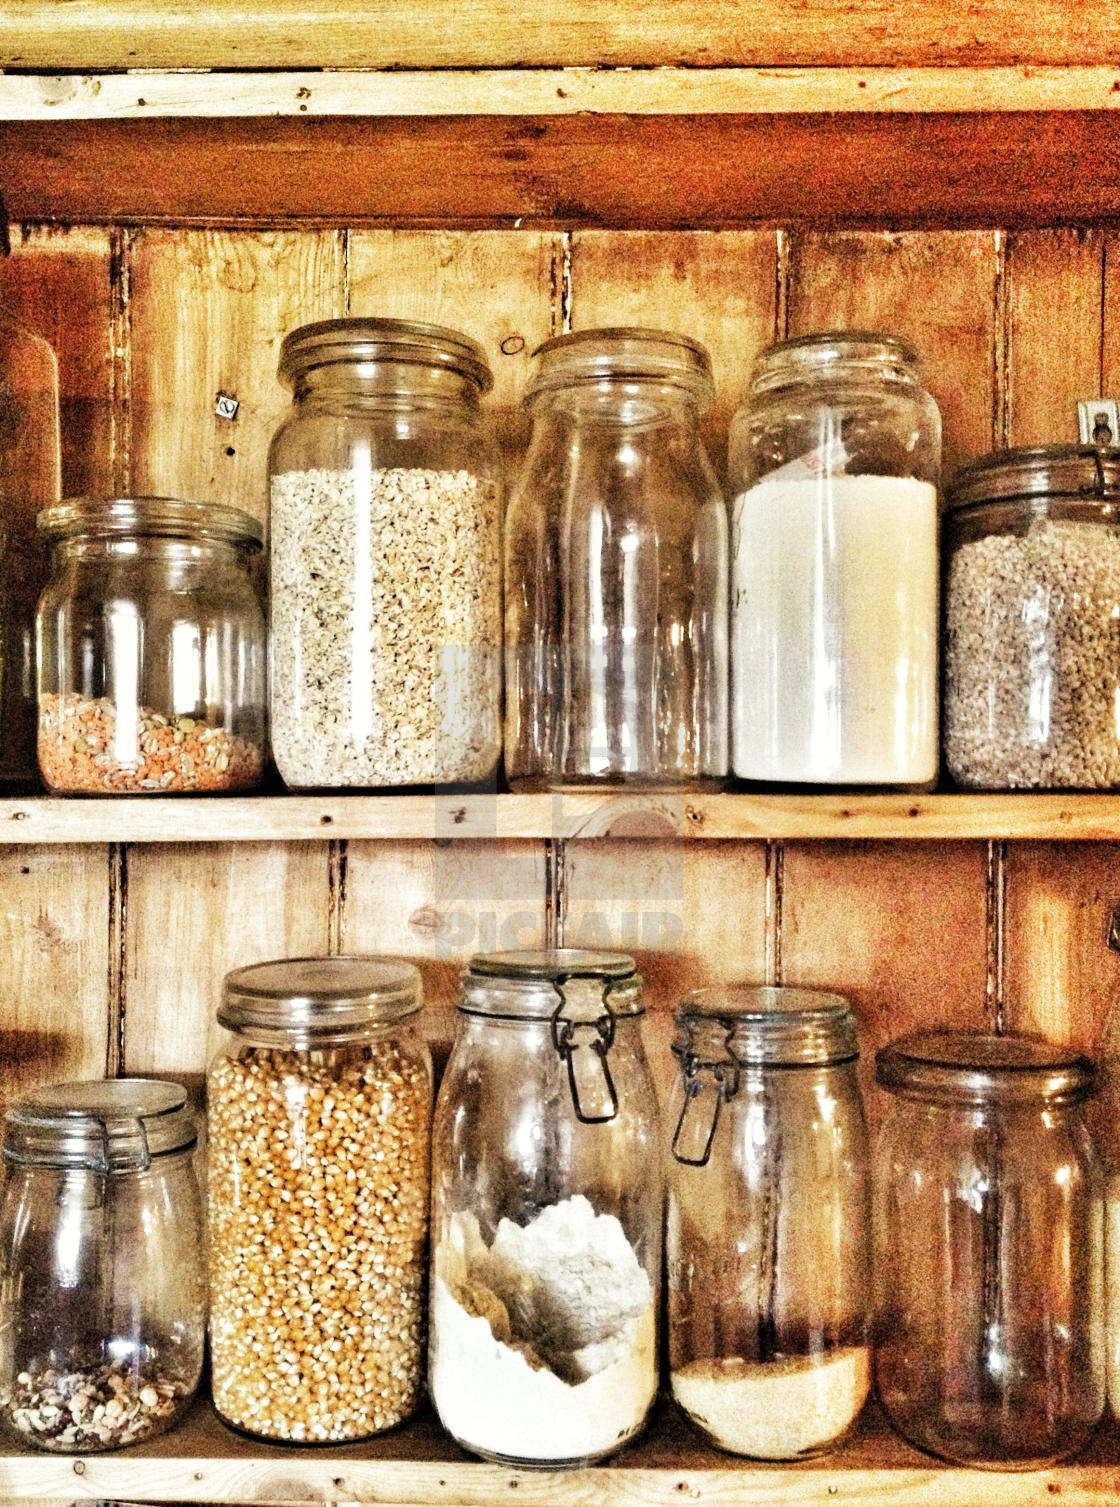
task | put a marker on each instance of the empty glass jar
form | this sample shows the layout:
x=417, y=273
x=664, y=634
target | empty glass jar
x=385, y=560
x=616, y=570
x=768, y=1226
x=102, y=1273
x=1032, y=621
x=546, y=1212
x=990, y=1347
x=151, y=649
x=834, y=465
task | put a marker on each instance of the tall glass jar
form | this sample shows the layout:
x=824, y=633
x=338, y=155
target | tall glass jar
x=546, y=1212
x=30, y=479
x=102, y=1272
x=151, y=649
x=319, y=1115
x=386, y=574
x=990, y=1347
x=834, y=466
x=1032, y=621
x=768, y=1223
x=616, y=570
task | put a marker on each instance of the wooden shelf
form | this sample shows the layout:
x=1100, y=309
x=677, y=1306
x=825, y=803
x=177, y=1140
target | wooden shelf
x=202, y=1461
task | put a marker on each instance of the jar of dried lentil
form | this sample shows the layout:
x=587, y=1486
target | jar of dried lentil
x=151, y=648
x=385, y=560
x=319, y=1112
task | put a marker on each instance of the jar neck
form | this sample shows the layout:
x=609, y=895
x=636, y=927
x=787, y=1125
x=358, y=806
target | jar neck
x=634, y=402
x=390, y=386
x=108, y=548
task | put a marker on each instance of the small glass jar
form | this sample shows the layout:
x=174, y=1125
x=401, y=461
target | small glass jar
x=990, y=1347
x=768, y=1224
x=834, y=465
x=151, y=649
x=616, y=570
x=1032, y=621
x=102, y=1271
x=546, y=1212
x=385, y=560
x=319, y=1116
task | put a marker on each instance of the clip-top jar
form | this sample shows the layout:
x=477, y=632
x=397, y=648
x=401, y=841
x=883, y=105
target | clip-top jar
x=1032, y=621
x=616, y=570
x=990, y=1347
x=385, y=560
x=102, y=1274
x=834, y=465
x=319, y=1114
x=546, y=1212
x=768, y=1229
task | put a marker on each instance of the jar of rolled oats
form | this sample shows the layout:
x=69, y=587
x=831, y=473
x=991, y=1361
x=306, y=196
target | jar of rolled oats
x=319, y=1112
x=385, y=560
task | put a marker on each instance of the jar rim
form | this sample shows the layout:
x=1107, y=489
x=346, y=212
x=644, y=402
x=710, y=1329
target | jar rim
x=396, y=341
x=771, y=1024
x=149, y=517
x=528, y=984
x=978, y=1067
x=1085, y=472
x=311, y=996
x=826, y=353
x=113, y=1125
x=619, y=352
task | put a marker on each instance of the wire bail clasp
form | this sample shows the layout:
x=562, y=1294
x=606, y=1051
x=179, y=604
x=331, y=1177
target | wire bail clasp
x=582, y=1032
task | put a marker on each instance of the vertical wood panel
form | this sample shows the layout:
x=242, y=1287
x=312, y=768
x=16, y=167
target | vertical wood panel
x=1054, y=305
x=938, y=288
x=208, y=312
x=1110, y=335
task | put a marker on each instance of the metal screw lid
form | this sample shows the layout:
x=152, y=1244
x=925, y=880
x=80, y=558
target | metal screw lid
x=619, y=353
x=152, y=517
x=977, y=1068
x=1074, y=471
x=372, y=341
x=320, y=996
x=770, y=1025
x=114, y=1125
x=527, y=984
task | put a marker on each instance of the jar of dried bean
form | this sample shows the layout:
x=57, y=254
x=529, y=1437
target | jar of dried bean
x=102, y=1274
x=319, y=1114
x=385, y=560
x=151, y=649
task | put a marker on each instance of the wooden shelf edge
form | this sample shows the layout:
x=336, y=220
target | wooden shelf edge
x=565, y=815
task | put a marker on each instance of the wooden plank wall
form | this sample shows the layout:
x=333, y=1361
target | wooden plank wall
x=114, y=956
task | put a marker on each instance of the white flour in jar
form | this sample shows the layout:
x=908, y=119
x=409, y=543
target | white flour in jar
x=543, y=1343
x=834, y=631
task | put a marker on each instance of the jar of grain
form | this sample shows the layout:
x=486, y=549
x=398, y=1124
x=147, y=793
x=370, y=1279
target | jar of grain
x=834, y=465
x=102, y=1272
x=151, y=649
x=768, y=1228
x=616, y=570
x=385, y=560
x=1032, y=621
x=990, y=1343
x=318, y=1118
x=546, y=1212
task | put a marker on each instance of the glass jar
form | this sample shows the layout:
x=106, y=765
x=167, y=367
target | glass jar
x=386, y=575
x=102, y=1272
x=616, y=570
x=546, y=1212
x=834, y=464
x=151, y=650
x=989, y=1247
x=768, y=1224
x=30, y=479
x=1032, y=621
x=319, y=1114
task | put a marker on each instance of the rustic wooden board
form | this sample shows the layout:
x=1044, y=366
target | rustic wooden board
x=208, y=311
x=1110, y=338
x=937, y=289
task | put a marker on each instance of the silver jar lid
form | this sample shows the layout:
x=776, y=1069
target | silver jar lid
x=378, y=341
x=964, y=1067
x=149, y=517
x=325, y=997
x=528, y=985
x=115, y=1125
x=1072, y=471
x=619, y=354
x=768, y=1025
x=831, y=355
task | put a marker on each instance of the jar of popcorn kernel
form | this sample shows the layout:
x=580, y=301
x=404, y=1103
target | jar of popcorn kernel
x=319, y=1113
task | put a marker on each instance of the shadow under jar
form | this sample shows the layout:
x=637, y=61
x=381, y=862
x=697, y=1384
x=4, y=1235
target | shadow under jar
x=616, y=570
x=990, y=1343
x=102, y=1272
x=768, y=1222
x=151, y=649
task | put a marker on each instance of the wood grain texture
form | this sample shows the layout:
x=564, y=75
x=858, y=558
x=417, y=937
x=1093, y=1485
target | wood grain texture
x=937, y=289
x=1110, y=335
x=208, y=312
x=1055, y=286
x=112, y=34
